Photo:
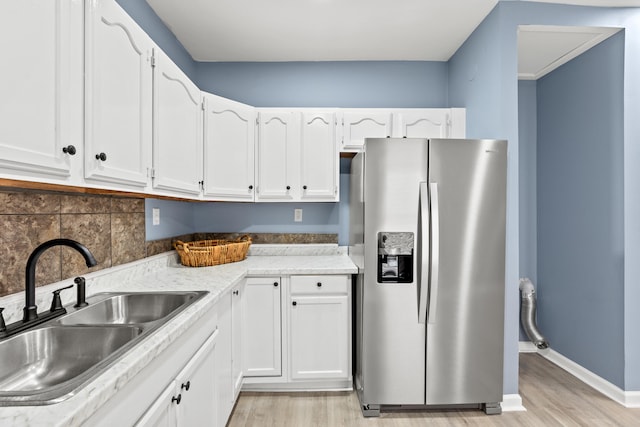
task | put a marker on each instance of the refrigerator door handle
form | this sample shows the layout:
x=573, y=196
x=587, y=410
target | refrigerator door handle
x=435, y=251
x=424, y=246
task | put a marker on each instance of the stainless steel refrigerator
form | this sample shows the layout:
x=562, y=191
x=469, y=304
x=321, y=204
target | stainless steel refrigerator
x=427, y=231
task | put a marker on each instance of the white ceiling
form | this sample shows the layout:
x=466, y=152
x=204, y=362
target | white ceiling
x=350, y=30
x=321, y=30
x=543, y=48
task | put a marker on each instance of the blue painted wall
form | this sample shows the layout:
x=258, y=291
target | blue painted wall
x=580, y=209
x=501, y=100
x=482, y=78
x=328, y=84
x=176, y=218
x=527, y=165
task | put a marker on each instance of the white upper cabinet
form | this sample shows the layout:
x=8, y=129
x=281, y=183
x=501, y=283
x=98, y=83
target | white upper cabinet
x=118, y=96
x=433, y=123
x=278, y=157
x=41, y=88
x=360, y=124
x=357, y=125
x=229, y=129
x=319, y=157
x=177, y=129
x=429, y=123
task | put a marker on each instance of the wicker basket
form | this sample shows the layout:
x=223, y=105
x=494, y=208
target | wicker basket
x=203, y=253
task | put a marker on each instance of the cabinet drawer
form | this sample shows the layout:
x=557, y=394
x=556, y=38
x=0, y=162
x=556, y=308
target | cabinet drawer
x=319, y=285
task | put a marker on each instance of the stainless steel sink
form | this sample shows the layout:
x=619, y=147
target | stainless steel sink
x=42, y=358
x=129, y=309
x=53, y=361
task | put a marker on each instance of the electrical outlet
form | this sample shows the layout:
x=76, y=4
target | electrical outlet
x=156, y=216
x=297, y=215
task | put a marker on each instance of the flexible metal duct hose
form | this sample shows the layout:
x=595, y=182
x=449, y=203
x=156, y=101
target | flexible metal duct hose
x=528, y=314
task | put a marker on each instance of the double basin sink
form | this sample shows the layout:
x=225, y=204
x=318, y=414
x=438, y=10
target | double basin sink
x=53, y=361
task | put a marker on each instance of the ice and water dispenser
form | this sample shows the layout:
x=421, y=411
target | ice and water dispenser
x=395, y=257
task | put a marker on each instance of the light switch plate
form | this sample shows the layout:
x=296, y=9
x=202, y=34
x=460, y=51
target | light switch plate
x=297, y=215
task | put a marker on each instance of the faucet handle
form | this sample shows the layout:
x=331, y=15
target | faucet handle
x=56, y=303
x=3, y=326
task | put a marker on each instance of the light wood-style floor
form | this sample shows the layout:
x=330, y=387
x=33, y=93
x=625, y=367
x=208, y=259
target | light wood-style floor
x=552, y=397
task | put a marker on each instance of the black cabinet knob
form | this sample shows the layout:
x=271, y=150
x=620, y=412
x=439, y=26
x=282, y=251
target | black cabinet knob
x=319, y=284
x=304, y=187
x=176, y=399
x=294, y=303
x=236, y=292
x=288, y=187
x=185, y=386
x=275, y=284
x=69, y=149
x=251, y=187
x=102, y=157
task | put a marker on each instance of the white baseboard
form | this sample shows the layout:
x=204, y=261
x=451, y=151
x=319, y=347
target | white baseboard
x=512, y=403
x=527, y=347
x=628, y=399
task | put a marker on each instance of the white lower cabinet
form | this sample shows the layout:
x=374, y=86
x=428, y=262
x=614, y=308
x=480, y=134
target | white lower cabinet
x=306, y=345
x=262, y=328
x=190, y=399
x=319, y=328
x=319, y=337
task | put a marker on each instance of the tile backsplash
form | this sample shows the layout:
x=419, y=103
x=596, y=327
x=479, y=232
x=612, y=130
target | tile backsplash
x=111, y=227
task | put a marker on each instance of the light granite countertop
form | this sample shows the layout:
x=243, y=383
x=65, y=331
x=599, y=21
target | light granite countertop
x=160, y=273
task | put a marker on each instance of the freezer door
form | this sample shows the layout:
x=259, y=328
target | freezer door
x=465, y=314
x=391, y=341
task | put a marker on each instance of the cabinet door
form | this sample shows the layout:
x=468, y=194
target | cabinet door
x=196, y=386
x=163, y=411
x=118, y=96
x=262, y=328
x=41, y=86
x=319, y=337
x=358, y=125
x=177, y=124
x=237, y=310
x=319, y=157
x=423, y=123
x=278, y=151
x=229, y=129
x=224, y=376
x=458, y=127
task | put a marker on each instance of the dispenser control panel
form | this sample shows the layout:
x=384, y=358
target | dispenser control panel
x=395, y=257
